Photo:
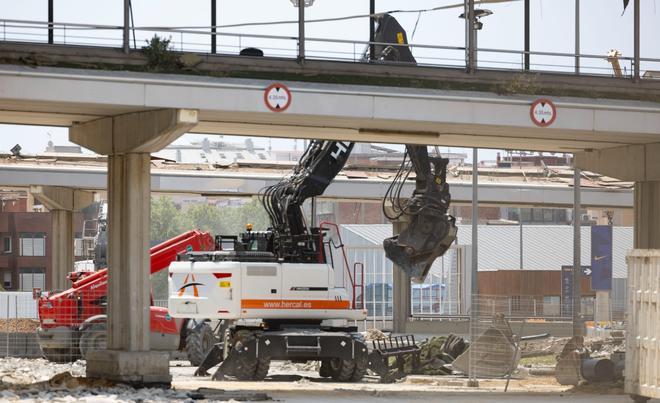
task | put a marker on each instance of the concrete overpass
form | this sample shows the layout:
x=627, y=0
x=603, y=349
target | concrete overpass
x=62, y=97
x=127, y=115
x=501, y=188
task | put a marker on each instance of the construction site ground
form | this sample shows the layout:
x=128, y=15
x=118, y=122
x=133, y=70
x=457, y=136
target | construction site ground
x=35, y=380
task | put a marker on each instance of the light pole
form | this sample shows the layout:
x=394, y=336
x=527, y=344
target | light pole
x=301, y=26
x=477, y=25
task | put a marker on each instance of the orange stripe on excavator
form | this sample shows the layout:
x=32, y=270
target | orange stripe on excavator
x=293, y=304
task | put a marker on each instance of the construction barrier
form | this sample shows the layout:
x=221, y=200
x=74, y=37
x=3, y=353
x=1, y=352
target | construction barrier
x=642, y=370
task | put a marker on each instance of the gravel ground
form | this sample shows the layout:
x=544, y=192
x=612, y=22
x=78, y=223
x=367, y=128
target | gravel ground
x=24, y=371
x=19, y=325
x=38, y=380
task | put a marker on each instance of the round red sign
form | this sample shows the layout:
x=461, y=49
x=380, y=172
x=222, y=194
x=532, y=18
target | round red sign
x=277, y=97
x=543, y=112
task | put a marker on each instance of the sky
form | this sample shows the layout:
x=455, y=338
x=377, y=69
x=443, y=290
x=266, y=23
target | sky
x=602, y=27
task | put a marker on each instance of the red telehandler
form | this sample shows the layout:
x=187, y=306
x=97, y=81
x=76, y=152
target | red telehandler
x=73, y=322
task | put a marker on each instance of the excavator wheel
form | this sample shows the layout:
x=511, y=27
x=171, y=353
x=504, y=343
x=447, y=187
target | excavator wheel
x=325, y=371
x=93, y=338
x=359, y=371
x=260, y=372
x=199, y=341
x=342, y=370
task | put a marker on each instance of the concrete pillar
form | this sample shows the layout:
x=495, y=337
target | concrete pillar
x=647, y=215
x=61, y=202
x=62, y=248
x=401, y=309
x=128, y=141
x=639, y=164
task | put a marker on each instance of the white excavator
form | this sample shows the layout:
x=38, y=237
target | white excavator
x=275, y=290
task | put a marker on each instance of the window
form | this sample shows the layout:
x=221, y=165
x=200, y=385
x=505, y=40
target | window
x=6, y=244
x=31, y=278
x=33, y=244
x=6, y=279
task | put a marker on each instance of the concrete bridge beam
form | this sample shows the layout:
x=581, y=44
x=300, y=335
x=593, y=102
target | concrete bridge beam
x=62, y=202
x=128, y=140
x=638, y=163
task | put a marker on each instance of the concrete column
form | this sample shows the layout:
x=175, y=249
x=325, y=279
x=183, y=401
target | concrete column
x=647, y=215
x=401, y=309
x=129, y=203
x=639, y=164
x=128, y=140
x=61, y=202
x=62, y=255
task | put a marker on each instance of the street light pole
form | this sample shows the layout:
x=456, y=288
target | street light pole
x=213, y=24
x=301, y=31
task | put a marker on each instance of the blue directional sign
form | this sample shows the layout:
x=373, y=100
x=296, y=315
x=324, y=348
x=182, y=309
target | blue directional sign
x=601, y=257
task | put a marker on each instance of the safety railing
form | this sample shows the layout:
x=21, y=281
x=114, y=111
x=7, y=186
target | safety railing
x=198, y=40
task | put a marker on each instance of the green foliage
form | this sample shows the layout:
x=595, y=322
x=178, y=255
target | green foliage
x=168, y=220
x=205, y=217
x=160, y=56
x=165, y=219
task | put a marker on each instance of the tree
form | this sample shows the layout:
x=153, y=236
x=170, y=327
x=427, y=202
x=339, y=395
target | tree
x=205, y=217
x=165, y=219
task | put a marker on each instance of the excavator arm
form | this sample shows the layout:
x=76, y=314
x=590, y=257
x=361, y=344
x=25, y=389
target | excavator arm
x=430, y=231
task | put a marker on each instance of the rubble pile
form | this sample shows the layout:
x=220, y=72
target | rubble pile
x=18, y=325
x=435, y=354
x=24, y=371
x=373, y=334
x=309, y=366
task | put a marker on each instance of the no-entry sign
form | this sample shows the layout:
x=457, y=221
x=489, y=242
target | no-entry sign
x=277, y=97
x=543, y=112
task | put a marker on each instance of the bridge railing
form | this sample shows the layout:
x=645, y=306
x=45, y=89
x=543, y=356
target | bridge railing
x=198, y=40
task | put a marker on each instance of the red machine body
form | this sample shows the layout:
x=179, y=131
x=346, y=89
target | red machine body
x=88, y=295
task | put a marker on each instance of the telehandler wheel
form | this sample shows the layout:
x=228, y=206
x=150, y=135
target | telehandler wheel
x=341, y=370
x=93, y=338
x=199, y=341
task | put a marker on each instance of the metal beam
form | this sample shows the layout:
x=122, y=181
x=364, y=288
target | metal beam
x=474, y=282
x=213, y=24
x=577, y=260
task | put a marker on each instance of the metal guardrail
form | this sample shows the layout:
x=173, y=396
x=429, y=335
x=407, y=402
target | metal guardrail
x=198, y=39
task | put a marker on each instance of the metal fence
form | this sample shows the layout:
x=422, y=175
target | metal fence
x=198, y=40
